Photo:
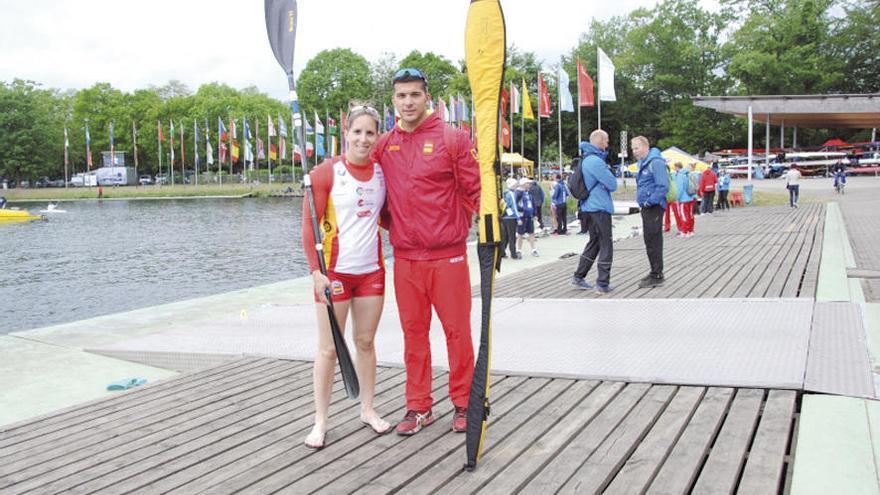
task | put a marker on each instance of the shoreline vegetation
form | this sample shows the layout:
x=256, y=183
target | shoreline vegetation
x=261, y=190
x=155, y=192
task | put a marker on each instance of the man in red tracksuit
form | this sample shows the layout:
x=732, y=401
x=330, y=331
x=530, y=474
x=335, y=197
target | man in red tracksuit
x=433, y=183
x=708, y=179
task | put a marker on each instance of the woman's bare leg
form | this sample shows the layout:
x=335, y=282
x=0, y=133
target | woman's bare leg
x=365, y=315
x=325, y=367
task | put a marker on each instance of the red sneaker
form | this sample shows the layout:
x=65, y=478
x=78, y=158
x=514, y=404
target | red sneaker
x=414, y=421
x=459, y=420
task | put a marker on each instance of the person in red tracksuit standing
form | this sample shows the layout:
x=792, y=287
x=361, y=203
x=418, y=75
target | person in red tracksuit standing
x=433, y=181
x=708, y=179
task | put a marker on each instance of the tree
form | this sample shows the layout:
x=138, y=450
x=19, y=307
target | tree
x=332, y=78
x=856, y=42
x=31, y=122
x=436, y=68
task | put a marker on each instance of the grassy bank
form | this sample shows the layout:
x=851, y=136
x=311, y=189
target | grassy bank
x=132, y=192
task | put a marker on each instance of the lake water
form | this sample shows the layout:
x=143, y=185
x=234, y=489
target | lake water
x=105, y=257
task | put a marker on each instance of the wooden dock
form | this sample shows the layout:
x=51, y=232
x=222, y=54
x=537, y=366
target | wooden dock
x=762, y=252
x=238, y=428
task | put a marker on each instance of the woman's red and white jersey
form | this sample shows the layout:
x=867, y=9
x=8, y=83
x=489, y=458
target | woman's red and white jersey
x=348, y=200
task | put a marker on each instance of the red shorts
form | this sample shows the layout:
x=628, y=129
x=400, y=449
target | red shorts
x=344, y=286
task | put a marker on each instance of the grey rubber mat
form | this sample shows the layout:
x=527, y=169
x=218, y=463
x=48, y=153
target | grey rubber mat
x=838, y=360
x=718, y=342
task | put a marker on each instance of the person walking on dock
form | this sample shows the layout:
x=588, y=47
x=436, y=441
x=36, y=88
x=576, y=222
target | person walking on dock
x=652, y=182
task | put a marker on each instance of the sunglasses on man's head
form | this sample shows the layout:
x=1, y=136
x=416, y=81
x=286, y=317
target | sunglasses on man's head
x=408, y=74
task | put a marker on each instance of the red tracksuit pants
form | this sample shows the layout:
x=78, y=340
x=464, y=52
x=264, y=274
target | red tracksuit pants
x=684, y=216
x=445, y=285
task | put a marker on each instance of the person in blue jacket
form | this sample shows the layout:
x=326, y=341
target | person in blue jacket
x=652, y=183
x=723, y=188
x=684, y=203
x=511, y=217
x=599, y=206
x=558, y=199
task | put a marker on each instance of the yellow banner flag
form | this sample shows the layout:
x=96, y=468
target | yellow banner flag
x=527, y=103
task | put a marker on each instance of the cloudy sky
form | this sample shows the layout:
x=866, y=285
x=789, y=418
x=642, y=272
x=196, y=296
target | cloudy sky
x=64, y=44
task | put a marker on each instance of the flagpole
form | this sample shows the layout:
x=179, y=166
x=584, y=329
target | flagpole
x=511, y=120
x=182, y=155
x=578, y=106
x=539, y=124
x=196, y=148
x=171, y=149
x=219, y=142
x=134, y=142
x=559, y=113
x=66, y=155
x=599, y=99
x=293, y=150
x=160, y=148
x=231, y=128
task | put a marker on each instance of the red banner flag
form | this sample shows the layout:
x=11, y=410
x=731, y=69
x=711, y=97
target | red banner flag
x=161, y=134
x=585, y=87
x=505, y=102
x=505, y=134
x=544, y=97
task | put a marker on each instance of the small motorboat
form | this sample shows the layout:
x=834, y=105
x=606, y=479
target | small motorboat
x=17, y=216
x=53, y=208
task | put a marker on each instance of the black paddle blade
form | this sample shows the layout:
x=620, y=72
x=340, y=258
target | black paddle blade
x=281, y=17
x=346, y=366
x=478, y=402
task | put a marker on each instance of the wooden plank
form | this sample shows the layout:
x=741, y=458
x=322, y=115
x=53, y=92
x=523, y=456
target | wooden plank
x=370, y=468
x=521, y=470
x=74, y=415
x=570, y=458
x=598, y=471
x=640, y=469
x=408, y=468
x=723, y=467
x=527, y=435
x=102, y=456
x=62, y=450
x=764, y=467
x=683, y=464
x=268, y=466
x=288, y=424
x=450, y=467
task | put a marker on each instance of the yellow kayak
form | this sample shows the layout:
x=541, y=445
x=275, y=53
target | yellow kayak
x=15, y=216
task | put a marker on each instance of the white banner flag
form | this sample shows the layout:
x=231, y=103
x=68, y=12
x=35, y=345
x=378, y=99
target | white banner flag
x=565, y=102
x=606, y=78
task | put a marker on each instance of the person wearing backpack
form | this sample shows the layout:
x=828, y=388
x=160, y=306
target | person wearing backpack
x=671, y=196
x=526, y=228
x=537, y=193
x=598, y=205
x=558, y=199
x=684, y=211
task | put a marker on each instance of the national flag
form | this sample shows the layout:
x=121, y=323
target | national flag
x=319, y=127
x=209, y=150
x=222, y=131
x=112, y=148
x=444, y=112
x=171, y=141
x=222, y=152
x=514, y=95
x=282, y=127
x=235, y=150
x=465, y=109
x=565, y=103
x=232, y=129
x=182, y=147
x=527, y=103
x=161, y=134
x=273, y=152
x=271, y=127
x=606, y=78
x=247, y=131
x=585, y=86
x=544, y=98
x=196, y=141
x=261, y=154
x=505, y=102
x=505, y=134
x=88, y=148
x=66, y=145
